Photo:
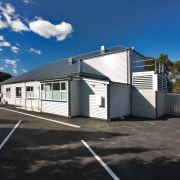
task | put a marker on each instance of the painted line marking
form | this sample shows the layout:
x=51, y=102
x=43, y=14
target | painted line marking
x=47, y=119
x=9, y=135
x=100, y=161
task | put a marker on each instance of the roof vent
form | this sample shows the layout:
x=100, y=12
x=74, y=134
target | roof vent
x=103, y=49
x=71, y=61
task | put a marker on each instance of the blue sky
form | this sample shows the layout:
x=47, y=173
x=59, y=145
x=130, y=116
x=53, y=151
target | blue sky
x=37, y=32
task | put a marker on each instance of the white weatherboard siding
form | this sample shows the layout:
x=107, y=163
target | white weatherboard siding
x=161, y=109
x=89, y=96
x=23, y=101
x=58, y=108
x=119, y=100
x=74, y=97
x=114, y=66
x=144, y=103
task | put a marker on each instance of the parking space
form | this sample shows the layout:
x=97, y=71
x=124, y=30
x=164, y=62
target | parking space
x=48, y=147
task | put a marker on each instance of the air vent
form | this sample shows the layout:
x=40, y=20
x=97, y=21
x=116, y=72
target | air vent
x=71, y=61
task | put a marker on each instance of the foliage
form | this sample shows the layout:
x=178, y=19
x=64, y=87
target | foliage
x=164, y=61
x=4, y=76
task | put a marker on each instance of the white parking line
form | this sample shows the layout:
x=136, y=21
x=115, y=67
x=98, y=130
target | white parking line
x=9, y=135
x=100, y=161
x=47, y=119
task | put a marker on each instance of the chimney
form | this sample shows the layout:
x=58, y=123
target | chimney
x=103, y=49
x=71, y=61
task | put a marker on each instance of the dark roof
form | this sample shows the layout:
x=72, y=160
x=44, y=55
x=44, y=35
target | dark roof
x=62, y=68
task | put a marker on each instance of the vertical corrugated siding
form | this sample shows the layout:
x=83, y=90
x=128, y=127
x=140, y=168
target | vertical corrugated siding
x=89, y=92
x=172, y=104
x=144, y=103
x=74, y=95
x=161, y=109
x=58, y=108
x=119, y=100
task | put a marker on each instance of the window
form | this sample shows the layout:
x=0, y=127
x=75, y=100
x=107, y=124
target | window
x=29, y=92
x=54, y=91
x=18, y=92
x=8, y=92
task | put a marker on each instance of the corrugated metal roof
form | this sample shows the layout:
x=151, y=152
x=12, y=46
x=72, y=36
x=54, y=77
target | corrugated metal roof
x=62, y=68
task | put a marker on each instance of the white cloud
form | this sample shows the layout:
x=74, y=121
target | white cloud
x=47, y=29
x=36, y=51
x=1, y=49
x=1, y=38
x=24, y=70
x=9, y=19
x=1, y=69
x=12, y=63
x=3, y=24
x=9, y=13
x=15, y=49
x=14, y=71
x=5, y=44
x=18, y=26
x=27, y=1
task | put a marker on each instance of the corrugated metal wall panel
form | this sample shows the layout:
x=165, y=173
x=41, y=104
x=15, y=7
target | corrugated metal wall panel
x=74, y=97
x=58, y=108
x=144, y=103
x=119, y=100
x=161, y=109
x=172, y=104
x=89, y=92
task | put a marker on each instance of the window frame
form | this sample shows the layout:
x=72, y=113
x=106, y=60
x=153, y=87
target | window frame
x=18, y=92
x=29, y=91
x=54, y=91
x=8, y=92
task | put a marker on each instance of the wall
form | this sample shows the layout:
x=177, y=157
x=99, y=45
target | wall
x=74, y=97
x=119, y=100
x=23, y=102
x=90, y=92
x=161, y=104
x=114, y=66
x=53, y=107
x=144, y=103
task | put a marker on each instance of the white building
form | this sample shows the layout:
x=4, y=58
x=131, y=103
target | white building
x=99, y=84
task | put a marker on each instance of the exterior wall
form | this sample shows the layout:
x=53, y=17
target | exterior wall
x=119, y=100
x=137, y=63
x=144, y=103
x=172, y=103
x=91, y=91
x=168, y=103
x=74, y=97
x=114, y=66
x=161, y=104
x=53, y=107
x=23, y=101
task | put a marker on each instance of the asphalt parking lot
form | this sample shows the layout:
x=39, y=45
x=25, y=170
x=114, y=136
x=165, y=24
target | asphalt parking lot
x=43, y=146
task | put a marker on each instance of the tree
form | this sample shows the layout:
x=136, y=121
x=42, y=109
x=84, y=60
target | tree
x=4, y=76
x=164, y=62
x=175, y=76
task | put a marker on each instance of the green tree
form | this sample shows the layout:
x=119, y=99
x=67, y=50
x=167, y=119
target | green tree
x=4, y=76
x=164, y=62
x=175, y=76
